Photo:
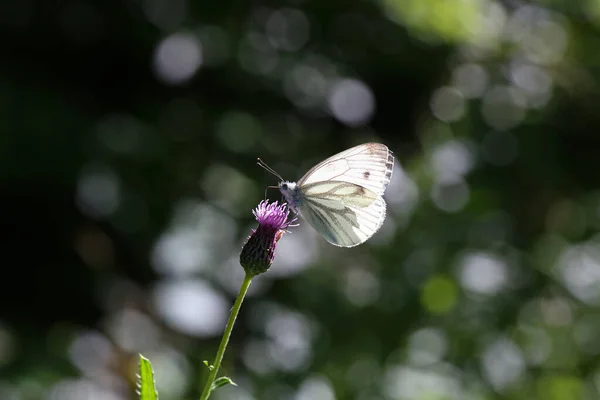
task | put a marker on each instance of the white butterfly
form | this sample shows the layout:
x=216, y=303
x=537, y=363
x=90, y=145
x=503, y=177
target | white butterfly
x=341, y=196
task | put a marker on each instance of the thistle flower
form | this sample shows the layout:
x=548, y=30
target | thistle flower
x=259, y=251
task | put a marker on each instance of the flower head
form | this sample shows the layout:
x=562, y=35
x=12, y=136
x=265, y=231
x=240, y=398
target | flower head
x=259, y=251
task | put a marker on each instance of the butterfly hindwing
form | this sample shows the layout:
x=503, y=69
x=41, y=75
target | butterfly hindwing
x=345, y=214
x=345, y=193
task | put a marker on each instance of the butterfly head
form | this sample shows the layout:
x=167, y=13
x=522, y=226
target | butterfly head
x=292, y=194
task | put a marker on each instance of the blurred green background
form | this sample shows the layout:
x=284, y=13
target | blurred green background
x=129, y=135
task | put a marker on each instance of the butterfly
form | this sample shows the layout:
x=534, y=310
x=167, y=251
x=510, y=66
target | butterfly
x=341, y=197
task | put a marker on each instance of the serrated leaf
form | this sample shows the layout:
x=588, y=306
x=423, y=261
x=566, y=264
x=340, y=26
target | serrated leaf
x=222, y=381
x=147, y=390
x=210, y=367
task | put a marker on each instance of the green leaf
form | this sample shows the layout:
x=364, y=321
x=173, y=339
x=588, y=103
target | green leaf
x=210, y=367
x=146, y=388
x=222, y=381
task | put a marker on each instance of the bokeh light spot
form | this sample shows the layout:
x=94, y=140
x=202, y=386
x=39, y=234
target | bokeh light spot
x=560, y=387
x=439, y=295
x=539, y=32
x=536, y=344
x=295, y=252
x=288, y=29
x=452, y=159
x=98, y=190
x=363, y=372
x=427, y=346
x=503, y=107
x=580, y=270
x=177, y=58
x=483, y=273
x=91, y=352
x=531, y=78
x=351, y=102
x=290, y=335
x=503, y=363
x=253, y=356
x=172, y=372
x=315, y=388
x=133, y=330
x=8, y=345
x=362, y=287
x=166, y=14
x=77, y=389
x=402, y=193
x=432, y=20
x=450, y=194
x=470, y=79
x=305, y=86
x=402, y=382
x=586, y=331
x=199, y=235
x=191, y=306
x=448, y=104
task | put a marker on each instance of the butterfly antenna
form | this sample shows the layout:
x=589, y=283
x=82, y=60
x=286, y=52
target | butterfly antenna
x=264, y=165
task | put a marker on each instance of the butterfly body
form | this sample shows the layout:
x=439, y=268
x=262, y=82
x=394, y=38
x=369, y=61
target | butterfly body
x=341, y=197
x=292, y=194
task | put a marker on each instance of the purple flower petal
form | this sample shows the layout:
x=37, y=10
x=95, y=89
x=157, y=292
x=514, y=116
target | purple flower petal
x=272, y=215
x=259, y=251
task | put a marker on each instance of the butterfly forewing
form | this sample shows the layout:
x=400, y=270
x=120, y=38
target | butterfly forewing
x=368, y=165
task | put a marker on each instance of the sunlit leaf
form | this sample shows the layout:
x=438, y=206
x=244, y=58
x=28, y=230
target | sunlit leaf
x=222, y=381
x=146, y=388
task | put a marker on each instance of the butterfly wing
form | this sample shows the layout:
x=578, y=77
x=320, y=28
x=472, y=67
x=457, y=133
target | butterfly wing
x=344, y=213
x=368, y=165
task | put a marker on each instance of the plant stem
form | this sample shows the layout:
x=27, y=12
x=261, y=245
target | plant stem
x=234, y=312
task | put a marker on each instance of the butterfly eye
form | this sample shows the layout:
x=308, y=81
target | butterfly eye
x=284, y=186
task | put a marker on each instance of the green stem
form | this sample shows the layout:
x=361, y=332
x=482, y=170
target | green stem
x=234, y=312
